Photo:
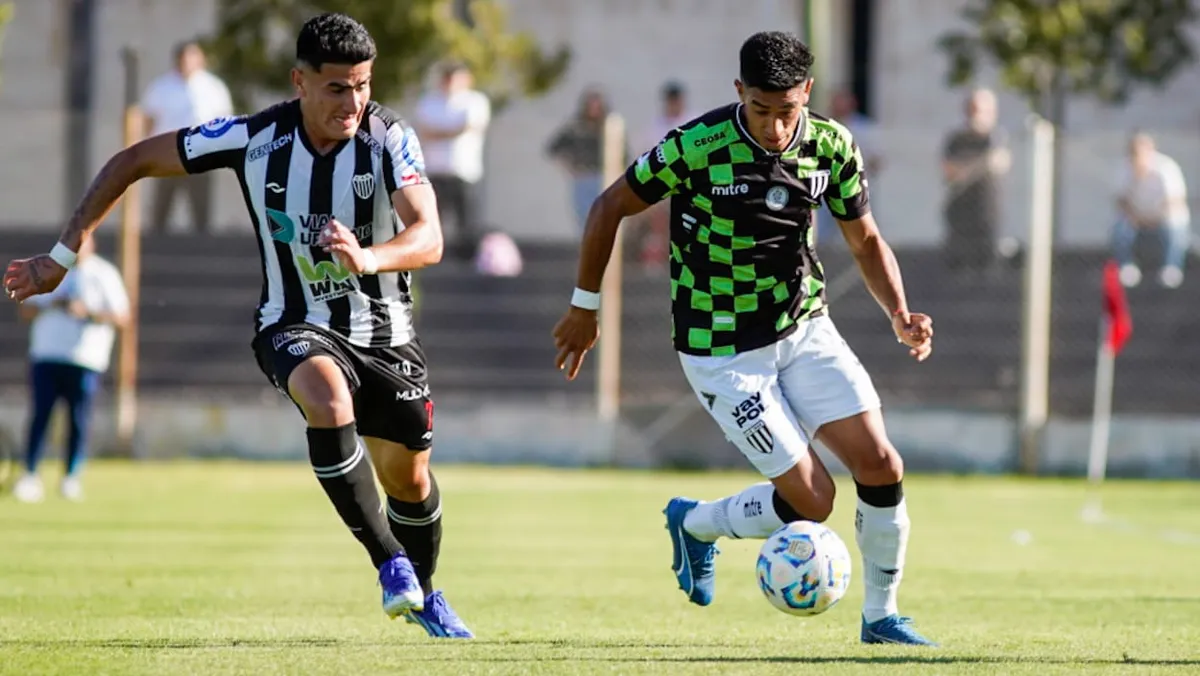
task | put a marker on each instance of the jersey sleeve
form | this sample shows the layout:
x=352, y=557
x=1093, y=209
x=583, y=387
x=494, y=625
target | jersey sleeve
x=846, y=195
x=403, y=162
x=659, y=172
x=217, y=144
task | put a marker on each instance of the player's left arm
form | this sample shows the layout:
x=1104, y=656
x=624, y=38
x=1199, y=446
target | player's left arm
x=420, y=243
x=847, y=199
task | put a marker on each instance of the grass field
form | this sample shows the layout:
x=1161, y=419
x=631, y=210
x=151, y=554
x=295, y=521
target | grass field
x=230, y=568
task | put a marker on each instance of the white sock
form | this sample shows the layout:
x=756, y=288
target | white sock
x=882, y=534
x=749, y=514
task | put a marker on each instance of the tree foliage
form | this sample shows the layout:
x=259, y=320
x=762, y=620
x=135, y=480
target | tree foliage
x=1099, y=48
x=254, y=45
x=6, y=14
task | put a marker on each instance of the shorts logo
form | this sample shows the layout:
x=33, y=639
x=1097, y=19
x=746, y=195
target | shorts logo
x=710, y=398
x=413, y=394
x=777, y=198
x=216, y=128
x=761, y=438
x=279, y=340
x=748, y=411
x=364, y=185
x=299, y=348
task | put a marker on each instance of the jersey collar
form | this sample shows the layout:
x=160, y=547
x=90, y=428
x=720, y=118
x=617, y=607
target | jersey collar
x=797, y=138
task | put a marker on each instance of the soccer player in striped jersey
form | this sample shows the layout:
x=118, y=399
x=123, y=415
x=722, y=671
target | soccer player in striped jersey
x=338, y=199
x=750, y=320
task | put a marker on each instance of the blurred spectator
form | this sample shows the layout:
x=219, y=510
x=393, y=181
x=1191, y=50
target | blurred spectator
x=1151, y=196
x=451, y=122
x=186, y=96
x=70, y=344
x=498, y=256
x=844, y=108
x=673, y=113
x=578, y=148
x=975, y=160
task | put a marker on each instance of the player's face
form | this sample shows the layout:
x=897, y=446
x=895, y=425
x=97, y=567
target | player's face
x=772, y=117
x=333, y=99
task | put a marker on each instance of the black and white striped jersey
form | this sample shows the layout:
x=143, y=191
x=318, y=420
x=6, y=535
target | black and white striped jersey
x=292, y=192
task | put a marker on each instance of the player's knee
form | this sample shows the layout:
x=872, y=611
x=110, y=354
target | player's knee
x=326, y=402
x=879, y=465
x=807, y=501
x=403, y=478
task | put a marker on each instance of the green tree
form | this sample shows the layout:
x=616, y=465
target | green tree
x=1048, y=50
x=254, y=48
x=6, y=13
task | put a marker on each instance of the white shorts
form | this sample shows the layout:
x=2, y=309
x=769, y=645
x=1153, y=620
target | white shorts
x=771, y=401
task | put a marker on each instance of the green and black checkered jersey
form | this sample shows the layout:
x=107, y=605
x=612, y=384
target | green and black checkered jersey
x=744, y=268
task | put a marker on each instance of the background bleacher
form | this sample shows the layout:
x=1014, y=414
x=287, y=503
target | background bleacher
x=491, y=336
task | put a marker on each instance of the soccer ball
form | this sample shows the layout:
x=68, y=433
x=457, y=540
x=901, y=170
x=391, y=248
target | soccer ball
x=803, y=568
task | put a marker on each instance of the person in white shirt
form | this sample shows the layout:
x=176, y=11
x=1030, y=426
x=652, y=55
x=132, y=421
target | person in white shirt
x=184, y=97
x=1151, y=197
x=452, y=123
x=70, y=345
x=674, y=113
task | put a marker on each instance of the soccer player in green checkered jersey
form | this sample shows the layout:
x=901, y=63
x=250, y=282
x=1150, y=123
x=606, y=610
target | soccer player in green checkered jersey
x=750, y=321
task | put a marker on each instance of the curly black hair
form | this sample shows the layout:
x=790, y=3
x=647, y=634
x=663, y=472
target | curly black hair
x=774, y=61
x=333, y=38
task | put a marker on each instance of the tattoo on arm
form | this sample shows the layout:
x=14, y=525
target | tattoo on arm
x=101, y=195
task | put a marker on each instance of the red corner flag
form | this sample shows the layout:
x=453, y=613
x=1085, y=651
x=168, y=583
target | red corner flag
x=1116, y=309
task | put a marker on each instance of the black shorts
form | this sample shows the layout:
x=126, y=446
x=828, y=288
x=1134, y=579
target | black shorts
x=389, y=384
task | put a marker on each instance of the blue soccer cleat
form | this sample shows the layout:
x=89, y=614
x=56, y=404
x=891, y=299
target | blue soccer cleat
x=893, y=629
x=401, y=590
x=692, y=559
x=438, y=619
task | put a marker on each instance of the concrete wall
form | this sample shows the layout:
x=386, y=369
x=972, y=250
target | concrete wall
x=629, y=47
x=538, y=432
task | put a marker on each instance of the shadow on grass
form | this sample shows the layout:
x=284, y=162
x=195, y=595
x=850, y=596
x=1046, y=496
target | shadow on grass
x=920, y=657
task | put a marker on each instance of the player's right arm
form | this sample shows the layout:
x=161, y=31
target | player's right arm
x=654, y=176
x=216, y=144
x=156, y=156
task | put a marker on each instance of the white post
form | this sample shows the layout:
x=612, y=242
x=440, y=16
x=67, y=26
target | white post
x=608, y=357
x=1101, y=421
x=1035, y=324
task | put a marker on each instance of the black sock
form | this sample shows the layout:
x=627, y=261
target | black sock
x=784, y=510
x=341, y=466
x=881, y=496
x=418, y=527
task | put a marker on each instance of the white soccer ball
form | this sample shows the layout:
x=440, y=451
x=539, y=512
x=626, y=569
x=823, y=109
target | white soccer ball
x=803, y=568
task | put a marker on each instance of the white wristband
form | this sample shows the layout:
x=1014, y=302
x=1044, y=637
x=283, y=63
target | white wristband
x=370, y=264
x=585, y=300
x=63, y=255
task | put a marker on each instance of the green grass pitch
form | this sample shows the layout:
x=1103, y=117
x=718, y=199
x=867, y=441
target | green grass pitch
x=237, y=568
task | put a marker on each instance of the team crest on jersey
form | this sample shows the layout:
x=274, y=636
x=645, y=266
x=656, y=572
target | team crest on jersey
x=364, y=185
x=777, y=198
x=818, y=182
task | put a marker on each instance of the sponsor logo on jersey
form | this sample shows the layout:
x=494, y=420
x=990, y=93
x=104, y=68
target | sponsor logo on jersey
x=730, y=190
x=372, y=143
x=711, y=138
x=260, y=151
x=307, y=227
x=326, y=280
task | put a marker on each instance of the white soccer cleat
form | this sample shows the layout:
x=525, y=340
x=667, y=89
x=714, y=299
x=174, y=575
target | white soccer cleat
x=29, y=489
x=71, y=489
